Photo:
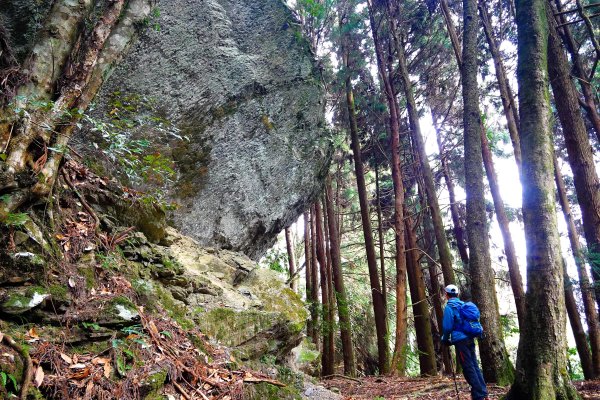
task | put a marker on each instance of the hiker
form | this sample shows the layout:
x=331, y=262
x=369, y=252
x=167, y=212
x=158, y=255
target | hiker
x=460, y=332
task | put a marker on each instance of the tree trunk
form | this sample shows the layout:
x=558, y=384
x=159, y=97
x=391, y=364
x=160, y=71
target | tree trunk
x=378, y=302
x=314, y=311
x=326, y=325
x=380, y=236
x=420, y=305
x=579, y=150
x=508, y=102
x=512, y=119
x=541, y=358
x=587, y=292
x=417, y=138
x=399, y=357
x=291, y=259
x=579, y=72
x=330, y=294
x=494, y=357
x=457, y=221
x=451, y=30
x=581, y=343
x=340, y=290
x=85, y=55
x=436, y=290
x=516, y=282
x=308, y=274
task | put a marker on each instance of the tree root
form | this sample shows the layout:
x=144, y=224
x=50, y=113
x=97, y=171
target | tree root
x=28, y=365
x=343, y=377
x=82, y=199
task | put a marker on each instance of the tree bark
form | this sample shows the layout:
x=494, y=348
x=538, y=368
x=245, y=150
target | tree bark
x=327, y=352
x=315, y=279
x=587, y=292
x=308, y=274
x=66, y=72
x=340, y=289
x=330, y=294
x=378, y=302
x=420, y=305
x=581, y=343
x=494, y=357
x=579, y=150
x=541, y=358
x=380, y=236
x=291, y=259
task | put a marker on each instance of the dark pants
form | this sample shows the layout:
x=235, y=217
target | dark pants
x=465, y=352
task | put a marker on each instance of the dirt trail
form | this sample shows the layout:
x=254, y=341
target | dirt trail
x=438, y=388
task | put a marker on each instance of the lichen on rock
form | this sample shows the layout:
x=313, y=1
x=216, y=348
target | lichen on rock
x=256, y=149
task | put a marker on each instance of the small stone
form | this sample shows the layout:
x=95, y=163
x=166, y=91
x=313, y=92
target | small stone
x=20, y=237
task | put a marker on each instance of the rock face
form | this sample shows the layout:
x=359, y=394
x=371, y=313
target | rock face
x=230, y=299
x=239, y=81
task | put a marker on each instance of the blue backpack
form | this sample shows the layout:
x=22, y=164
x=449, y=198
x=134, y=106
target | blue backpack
x=469, y=320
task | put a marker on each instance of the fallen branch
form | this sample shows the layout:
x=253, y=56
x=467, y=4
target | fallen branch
x=182, y=391
x=253, y=379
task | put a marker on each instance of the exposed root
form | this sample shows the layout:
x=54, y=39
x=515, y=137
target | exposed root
x=28, y=365
x=343, y=377
x=82, y=199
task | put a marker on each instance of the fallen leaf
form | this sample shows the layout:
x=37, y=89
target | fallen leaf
x=72, y=282
x=107, y=370
x=32, y=333
x=100, y=360
x=77, y=366
x=84, y=373
x=152, y=328
x=39, y=377
x=66, y=358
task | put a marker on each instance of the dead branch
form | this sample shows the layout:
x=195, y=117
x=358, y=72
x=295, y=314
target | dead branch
x=253, y=379
x=182, y=391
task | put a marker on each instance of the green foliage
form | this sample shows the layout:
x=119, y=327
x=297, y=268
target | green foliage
x=152, y=19
x=91, y=326
x=118, y=138
x=16, y=219
x=9, y=382
x=574, y=364
x=276, y=260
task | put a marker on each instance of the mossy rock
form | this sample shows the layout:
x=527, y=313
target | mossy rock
x=20, y=301
x=266, y=391
x=151, y=385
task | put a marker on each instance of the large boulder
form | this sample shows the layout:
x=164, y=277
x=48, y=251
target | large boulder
x=240, y=83
x=233, y=301
x=246, y=308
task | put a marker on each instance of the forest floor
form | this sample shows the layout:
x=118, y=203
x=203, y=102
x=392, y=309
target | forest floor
x=439, y=388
